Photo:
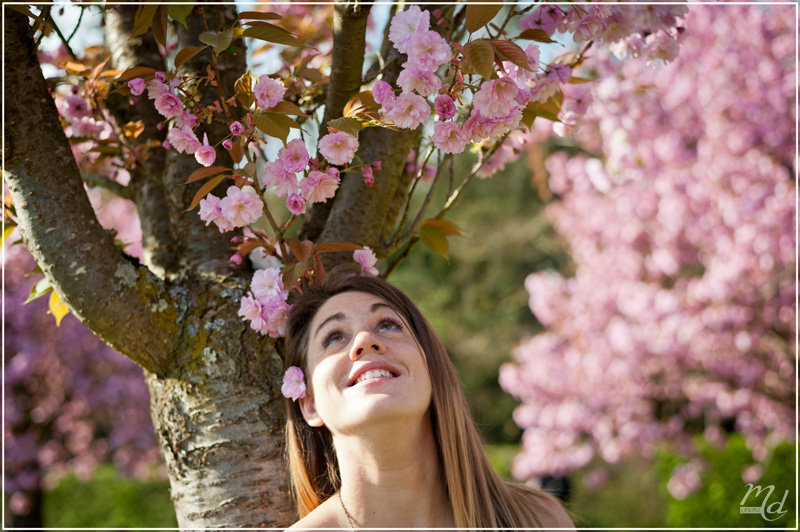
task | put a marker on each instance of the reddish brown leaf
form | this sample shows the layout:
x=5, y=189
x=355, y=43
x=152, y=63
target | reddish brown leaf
x=205, y=189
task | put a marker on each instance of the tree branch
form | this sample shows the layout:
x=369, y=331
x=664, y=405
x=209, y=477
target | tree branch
x=347, y=57
x=110, y=295
x=203, y=249
x=158, y=245
x=97, y=180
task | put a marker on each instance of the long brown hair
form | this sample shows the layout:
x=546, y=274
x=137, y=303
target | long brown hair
x=478, y=496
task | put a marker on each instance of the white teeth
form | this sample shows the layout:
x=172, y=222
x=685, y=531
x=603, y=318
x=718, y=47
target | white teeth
x=372, y=374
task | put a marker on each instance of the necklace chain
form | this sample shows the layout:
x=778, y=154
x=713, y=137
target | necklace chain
x=346, y=513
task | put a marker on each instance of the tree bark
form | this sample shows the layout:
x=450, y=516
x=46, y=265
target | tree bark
x=146, y=177
x=115, y=298
x=349, y=35
x=219, y=417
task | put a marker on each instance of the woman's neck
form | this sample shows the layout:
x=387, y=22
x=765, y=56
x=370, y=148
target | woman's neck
x=391, y=477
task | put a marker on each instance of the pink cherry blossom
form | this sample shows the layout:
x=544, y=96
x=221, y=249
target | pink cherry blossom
x=338, y=148
x=319, y=186
x=427, y=50
x=376, y=166
x=186, y=119
x=275, y=314
x=241, y=206
x=444, y=106
x=294, y=156
x=236, y=128
x=250, y=309
x=405, y=23
x=210, y=211
x=294, y=385
x=425, y=82
x=169, y=105
x=449, y=137
x=496, y=98
x=369, y=177
x=74, y=107
x=268, y=92
x=137, y=86
x=206, y=154
x=227, y=144
x=407, y=111
x=367, y=259
x=184, y=140
x=267, y=284
x=278, y=177
x=156, y=88
x=296, y=204
x=161, y=76
x=382, y=92
x=544, y=17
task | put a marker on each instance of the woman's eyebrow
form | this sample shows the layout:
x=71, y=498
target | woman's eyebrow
x=339, y=316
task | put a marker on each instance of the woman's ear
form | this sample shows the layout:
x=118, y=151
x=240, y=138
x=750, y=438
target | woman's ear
x=309, y=410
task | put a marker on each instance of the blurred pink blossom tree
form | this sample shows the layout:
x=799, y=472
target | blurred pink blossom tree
x=679, y=212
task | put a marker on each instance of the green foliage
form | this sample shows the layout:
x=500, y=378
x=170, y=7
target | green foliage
x=477, y=303
x=718, y=502
x=108, y=501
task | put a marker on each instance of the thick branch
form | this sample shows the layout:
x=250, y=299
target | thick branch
x=108, y=293
x=365, y=215
x=127, y=52
x=203, y=249
x=347, y=63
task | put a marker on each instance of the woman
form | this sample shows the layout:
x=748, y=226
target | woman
x=382, y=437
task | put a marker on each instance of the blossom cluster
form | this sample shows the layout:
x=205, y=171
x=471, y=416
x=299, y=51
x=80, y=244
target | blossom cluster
x=265, y=305
x=681, y=310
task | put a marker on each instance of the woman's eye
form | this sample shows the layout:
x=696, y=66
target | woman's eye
x=332, y=337
x=389, y=325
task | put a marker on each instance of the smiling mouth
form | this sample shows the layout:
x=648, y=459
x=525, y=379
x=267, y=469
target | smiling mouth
x=373, y=374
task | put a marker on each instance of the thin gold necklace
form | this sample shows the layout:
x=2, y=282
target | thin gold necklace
x=346, y=513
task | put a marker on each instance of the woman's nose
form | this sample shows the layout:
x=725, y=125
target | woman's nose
x=366, y=343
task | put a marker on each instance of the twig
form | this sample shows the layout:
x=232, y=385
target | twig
x=98, y=180
x=228, y=114
x=78, y=25
x=421, y=171
x=394, y=264
x=455, y=195
x=418, y=219
x=55, y=27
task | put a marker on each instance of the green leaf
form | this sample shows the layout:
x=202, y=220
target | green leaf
x=576, y=80
x=287, y=108
x=218, y=41
x=272, y=33
x=57, y=307
x=275, y=124
x=39, y=289
x=137, y=72
x=548, y=109
x=435, y=240
x=204, y=172
x=179, y=12
x=160, y=26
x=528, y=117
x=508, y=51
x=535, y=35
x=350, y=125
x=479, y=57
x=187, y=53
x=479, y=15
x=259, y=15
x=444, y=226
x=207, y=187
x=143, y=19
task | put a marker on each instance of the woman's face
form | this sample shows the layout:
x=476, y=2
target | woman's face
x=364, y=365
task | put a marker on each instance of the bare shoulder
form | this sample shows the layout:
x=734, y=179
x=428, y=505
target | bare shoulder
x=556, y=515
x=321, y=517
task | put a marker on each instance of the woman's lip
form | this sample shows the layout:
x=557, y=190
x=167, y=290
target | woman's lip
x=369, y=366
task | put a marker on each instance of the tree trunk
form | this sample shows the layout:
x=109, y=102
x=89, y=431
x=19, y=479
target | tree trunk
x=219, y=418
